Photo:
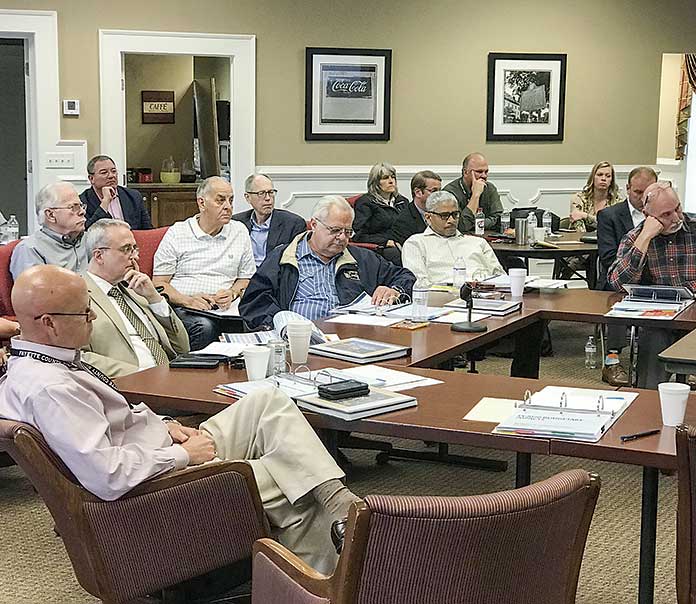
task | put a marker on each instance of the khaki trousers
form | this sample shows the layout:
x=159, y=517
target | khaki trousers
x=266, y=429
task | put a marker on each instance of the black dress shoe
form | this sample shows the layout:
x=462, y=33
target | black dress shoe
x=338, y=534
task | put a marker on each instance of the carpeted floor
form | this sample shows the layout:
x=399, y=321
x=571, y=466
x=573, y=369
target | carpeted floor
x=35, y=568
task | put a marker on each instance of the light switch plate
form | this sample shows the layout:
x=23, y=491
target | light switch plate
x=71, y=107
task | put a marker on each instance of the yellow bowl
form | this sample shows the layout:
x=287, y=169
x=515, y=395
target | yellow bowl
x=170, y=177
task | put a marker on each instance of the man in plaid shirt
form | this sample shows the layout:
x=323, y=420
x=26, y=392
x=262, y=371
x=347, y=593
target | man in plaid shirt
x=660, y=251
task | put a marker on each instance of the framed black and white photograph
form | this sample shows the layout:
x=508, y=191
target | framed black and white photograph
x=526, y=97
x=347, y=94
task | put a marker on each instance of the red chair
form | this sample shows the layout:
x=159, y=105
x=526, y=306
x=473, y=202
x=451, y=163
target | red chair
x=6, y=281
x=370, y=246
x=148, y=241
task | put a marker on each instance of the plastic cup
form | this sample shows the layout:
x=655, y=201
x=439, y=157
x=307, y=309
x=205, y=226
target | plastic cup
x=256, y=362
x=517, y=277
x=299, y=333
x=673, y=399
x=539, y=233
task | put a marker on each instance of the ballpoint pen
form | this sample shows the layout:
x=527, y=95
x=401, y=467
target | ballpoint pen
x=627, y=437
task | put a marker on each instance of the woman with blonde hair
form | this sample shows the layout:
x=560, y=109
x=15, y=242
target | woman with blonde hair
x=376, y=211
x=600, y=191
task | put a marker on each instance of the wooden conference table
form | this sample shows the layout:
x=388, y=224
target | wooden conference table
x=439, y=418
x=680, y=357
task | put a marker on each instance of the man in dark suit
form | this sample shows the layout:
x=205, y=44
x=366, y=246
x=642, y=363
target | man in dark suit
x=106, y=199
x=267, y=226
x=612, y=224
x=410, y=221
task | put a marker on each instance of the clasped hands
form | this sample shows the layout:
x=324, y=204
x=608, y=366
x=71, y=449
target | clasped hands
x=220, y=299
x=198, y=444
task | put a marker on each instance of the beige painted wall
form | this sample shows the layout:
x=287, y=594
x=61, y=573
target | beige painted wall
x=439, y=72
x=147, y=145
x=214, y=67
x=669, y=99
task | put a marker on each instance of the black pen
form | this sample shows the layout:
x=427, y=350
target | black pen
x=627, y=437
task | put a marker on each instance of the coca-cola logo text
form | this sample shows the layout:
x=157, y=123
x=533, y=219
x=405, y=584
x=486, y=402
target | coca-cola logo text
x=355, y=88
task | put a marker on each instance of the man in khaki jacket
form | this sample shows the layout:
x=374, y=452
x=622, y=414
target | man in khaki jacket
x=135, y=328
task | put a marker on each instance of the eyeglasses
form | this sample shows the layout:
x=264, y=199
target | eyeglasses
x=336, y=231
x=86, y=314
x=73, y=207
x=262, y=194
x=129, y=249
x=447, y=215
x=429, y=190
x=106, y=171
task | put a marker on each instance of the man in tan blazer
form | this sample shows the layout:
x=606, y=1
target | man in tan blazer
x=135, y=327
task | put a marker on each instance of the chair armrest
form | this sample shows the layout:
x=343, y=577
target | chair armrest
x=369, y=246
x=289, y=566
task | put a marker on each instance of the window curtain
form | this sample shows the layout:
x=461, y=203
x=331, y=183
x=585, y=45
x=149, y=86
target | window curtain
x=686, y=86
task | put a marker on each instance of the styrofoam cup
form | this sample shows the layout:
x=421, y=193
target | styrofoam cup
x=299, y=334
x=256, y=362
x=517, y=277
x=673, y=399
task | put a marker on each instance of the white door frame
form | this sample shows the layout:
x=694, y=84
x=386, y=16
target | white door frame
x=39, y=30
x=241, y=49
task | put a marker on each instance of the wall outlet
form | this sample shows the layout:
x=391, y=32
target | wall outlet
x=60, y=161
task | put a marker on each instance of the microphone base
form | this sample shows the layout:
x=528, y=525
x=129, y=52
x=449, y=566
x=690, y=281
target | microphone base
x=469, y=327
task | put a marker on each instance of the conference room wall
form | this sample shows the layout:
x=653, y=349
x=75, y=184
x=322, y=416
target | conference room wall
x=439, y=73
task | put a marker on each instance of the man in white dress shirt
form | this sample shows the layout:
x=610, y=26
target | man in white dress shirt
x=433, y=253
x=135, y=327
x=111, y=446
x=205, y=262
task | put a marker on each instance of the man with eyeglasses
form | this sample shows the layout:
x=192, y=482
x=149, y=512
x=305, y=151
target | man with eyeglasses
x=59, y=240
x=316, y=271
x=412, y=219
x=135, y=328
x=433, y=253
x=659, y=251
x=474, y=191
x=204, y=263
x=107, y=199
x=268, y=227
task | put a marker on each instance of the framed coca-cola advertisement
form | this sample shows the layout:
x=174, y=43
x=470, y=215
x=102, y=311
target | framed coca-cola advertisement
x=347, y=94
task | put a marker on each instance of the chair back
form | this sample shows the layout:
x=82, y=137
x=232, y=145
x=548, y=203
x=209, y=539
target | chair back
x=353, y=198
x=6, y=280
x=686, y=513
x=523, y=546
x=148, y=241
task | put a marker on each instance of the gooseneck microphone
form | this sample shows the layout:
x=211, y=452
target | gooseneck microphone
x=466, y=294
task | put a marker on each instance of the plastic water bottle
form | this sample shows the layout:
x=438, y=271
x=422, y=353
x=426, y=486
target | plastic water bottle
x=591, y=354
x=531, y=224
x=459, y=272
x=479, y=222
x=546, y=221
x=505, y=221
x=12, y=228
x=419, y=307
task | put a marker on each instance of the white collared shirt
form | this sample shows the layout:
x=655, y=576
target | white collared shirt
x=108, y=446
x=202, y=263
x=636, y=215
x=145, y=358
x=432, y=256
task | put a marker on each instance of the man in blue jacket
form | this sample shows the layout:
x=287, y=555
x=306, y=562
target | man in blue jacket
x=316, y=272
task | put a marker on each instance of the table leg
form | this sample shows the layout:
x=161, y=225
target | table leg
x=648, y=532
x=523, y=470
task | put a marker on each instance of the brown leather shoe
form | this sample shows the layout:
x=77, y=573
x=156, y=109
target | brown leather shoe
x=614, y=375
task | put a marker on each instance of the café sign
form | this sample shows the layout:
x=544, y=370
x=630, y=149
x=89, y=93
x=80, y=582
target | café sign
x=158, y=106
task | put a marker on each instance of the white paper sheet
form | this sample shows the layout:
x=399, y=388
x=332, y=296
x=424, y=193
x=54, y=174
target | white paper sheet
x=494, y=410
x=355, y=319
x=226, y=348
x=459, y=317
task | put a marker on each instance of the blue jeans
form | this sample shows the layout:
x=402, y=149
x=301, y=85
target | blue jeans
x=201, y=330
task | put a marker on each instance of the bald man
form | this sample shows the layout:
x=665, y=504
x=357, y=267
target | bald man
x=111, y=446
x=473, y=191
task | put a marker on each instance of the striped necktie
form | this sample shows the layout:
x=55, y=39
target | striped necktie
x=141, y=329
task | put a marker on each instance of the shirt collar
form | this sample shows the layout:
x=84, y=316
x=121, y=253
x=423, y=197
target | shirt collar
x=429, y=231
x=633, y=210
x=304, y=250
x=199, y=233
x=62, y=354
x=64, y=240
x=102, y=284
x=264, y=225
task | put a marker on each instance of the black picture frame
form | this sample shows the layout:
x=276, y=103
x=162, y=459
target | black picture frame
x=536, y=113
x=347, y=94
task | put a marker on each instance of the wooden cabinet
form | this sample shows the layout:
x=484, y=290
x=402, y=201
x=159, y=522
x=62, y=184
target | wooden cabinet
x=168, y=204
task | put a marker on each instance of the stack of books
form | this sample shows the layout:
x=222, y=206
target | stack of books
x=376, y=402
x=360, y=351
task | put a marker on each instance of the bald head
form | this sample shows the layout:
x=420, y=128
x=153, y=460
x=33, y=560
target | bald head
x=475, y=165
x=40, y=294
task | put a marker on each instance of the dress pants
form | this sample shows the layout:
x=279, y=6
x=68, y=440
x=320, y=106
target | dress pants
x=616, y=337
x=649, y=369
x=527, y=353
x=266, y=429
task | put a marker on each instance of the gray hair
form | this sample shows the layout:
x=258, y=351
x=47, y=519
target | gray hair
x=249, y=181
x=92, y=162
x=657, y=190
x=49, y=196
x=326, y=203
x=206, y=185
x=97, y=235
x=377, y=173
x=435, y=199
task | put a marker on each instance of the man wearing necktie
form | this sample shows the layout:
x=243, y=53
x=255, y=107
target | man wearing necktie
x=135, y=327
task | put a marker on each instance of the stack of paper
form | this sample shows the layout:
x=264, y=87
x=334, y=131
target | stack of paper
x=376, y=402
x=499, y=308
x=358, y=350
x=635, y=309
x=363, y=304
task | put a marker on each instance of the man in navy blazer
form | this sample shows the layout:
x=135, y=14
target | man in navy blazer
x=612, y=225
x=105, y=199
x=268, y=227
x=411, y=221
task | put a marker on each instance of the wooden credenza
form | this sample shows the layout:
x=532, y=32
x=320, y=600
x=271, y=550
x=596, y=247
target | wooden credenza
x=168, y=204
